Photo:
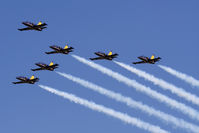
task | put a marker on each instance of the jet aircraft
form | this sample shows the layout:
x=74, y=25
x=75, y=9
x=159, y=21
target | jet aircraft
x=101, y=55
x=58, y=49
x=145, y=59
x=44, y=66
x=31, y=26
x=32, y=80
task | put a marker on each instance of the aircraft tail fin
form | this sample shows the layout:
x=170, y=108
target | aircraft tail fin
x=152, y=57
x=32, y=77
x=66, y=47
x=51, y=64
x=110, y=53
x=39, y=23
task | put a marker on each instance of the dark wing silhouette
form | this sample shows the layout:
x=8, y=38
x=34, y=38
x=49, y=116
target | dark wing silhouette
x=139, y=62
x=28, y=28
x=97, y=58
x=37, y=69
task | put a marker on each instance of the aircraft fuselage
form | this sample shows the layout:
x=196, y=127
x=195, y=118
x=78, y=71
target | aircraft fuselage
x=26, y=80
x=148, y=60
x=34, y=26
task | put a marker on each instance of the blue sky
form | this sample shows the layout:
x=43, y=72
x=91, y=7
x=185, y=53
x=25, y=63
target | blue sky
x=168, y=29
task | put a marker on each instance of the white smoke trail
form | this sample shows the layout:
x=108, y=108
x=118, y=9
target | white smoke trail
x=108, y=111
x=133, y=104
x=192, y=113
x=189, y=79
x=163, y=84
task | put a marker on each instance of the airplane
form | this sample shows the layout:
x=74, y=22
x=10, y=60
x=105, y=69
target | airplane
x=58, y=49
x=145, y=59
x=101, y=55
x=43, y=66
x=31, y=26
x=32, y=80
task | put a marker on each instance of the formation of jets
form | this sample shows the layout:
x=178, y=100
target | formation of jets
x=66, y=50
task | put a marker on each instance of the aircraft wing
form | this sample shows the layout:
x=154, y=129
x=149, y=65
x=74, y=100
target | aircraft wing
x=21, y=78
x=55, y=47
x=144, y=58
x=139, y=62
x=37, y=69
x=52, y=52
x=28, y=24
x=41, y=64
x=100, y=53
x=28, y=28
x=37, y=28
x=97, y=58
x=20, y=82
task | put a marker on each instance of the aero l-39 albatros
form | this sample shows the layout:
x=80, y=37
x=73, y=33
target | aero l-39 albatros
x=145, y=59
x=32, y=80
x=108, y=56
x=58, y=49
x=44, y=66
x=31, y=26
